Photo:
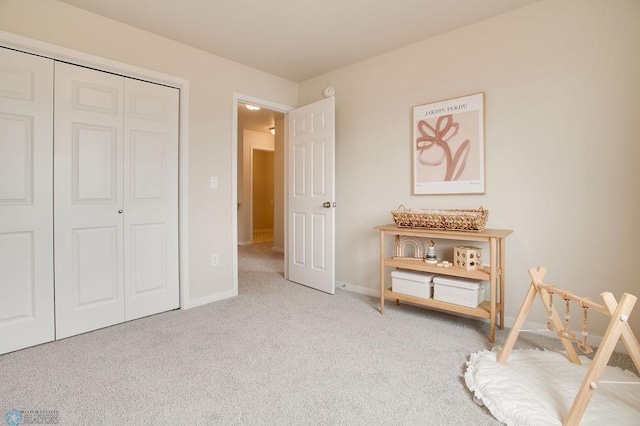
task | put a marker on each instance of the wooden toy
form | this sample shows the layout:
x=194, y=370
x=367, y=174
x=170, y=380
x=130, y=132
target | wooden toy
x=469, y=258
x=618, y=328
x=413, y=242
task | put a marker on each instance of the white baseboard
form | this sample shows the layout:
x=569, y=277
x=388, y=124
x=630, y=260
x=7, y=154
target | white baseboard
x=278, y=249
x=529, y=327
x=357, y=289
x=210, y=299
x=541, y=329
x=245, y=243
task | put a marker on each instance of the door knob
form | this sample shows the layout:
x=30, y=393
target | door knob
x=120, y=211
x=326, y=205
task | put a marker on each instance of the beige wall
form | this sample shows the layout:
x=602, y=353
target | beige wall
x=213, y=80
x=561, y=81
x=262, y=190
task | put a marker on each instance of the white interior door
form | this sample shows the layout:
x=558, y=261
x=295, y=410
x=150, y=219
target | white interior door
x=26, y=200
x=88, y=207
x=311, y=195
x=150, y=199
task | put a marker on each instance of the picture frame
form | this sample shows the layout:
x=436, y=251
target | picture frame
x=448, y=146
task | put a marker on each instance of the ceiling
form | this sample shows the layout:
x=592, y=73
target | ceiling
x=260, y=121
x=298, y=39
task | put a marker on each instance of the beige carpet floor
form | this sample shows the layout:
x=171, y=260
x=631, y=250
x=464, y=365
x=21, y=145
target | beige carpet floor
x=277, y=354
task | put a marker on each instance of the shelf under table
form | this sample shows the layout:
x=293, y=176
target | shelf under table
x=482, y=311
x=420, y=265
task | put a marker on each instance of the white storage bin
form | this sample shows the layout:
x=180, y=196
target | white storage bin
x=460, y=291
x=412, y=283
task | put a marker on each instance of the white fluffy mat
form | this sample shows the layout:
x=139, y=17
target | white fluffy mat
x=538, y=387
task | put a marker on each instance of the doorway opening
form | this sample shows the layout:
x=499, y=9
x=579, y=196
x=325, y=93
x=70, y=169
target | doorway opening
x=264, y=129
x=308, y=217
x=260, y=214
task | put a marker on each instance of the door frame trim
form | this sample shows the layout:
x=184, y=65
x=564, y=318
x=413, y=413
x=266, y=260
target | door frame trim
x=40, y=48
x=263, y=103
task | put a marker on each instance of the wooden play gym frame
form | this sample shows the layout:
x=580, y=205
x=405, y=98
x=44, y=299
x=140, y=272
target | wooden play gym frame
x=618, y=329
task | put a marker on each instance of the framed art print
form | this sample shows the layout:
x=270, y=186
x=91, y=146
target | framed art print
x=448, y=146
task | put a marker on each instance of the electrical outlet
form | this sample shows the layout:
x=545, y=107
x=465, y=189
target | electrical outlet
x=213, y=183
x=214, y=259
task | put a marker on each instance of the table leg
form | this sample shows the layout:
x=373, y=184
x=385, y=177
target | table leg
x=502, y=285
x=493, y=290
x=381, y=272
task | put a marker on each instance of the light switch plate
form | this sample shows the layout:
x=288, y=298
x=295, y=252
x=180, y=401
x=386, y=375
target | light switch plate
x=214, y=182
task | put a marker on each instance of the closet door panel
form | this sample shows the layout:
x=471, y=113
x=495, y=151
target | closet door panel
x=88, y=200
x=151, y=198
x=26, y=200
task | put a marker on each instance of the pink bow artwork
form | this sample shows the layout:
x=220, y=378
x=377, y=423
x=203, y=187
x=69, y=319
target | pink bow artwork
x=438, y=139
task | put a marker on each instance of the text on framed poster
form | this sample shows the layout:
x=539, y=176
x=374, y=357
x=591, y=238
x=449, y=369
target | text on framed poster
x=448, y=146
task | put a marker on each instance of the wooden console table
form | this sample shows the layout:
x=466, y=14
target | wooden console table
x=494, y=273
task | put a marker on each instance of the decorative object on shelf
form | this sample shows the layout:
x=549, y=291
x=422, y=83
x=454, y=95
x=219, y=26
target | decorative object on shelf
x=449, y=220
x=412, y=283
x=431, y=258
x=459, y=291
x=469, y=258
x=448, y=146
x=403, y=242
x=444, y=263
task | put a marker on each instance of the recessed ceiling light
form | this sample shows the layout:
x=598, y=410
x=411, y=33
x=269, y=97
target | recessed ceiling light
x=252, y=107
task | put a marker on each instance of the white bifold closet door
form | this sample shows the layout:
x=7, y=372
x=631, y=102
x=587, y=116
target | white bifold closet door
x=26, y=200
x=116, y=199
x=150, y=199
